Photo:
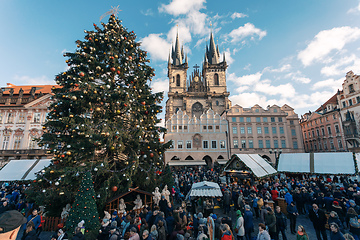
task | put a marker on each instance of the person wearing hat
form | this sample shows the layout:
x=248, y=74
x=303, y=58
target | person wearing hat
x=270, y=222
x=239, y=226
x=114, y=233
x=10, y=223
x=115, y=217
x=78, y=234
x=248, y=222
x=338, y=209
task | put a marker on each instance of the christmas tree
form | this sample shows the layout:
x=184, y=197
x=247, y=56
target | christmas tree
x=84, y=207
x=103, y=120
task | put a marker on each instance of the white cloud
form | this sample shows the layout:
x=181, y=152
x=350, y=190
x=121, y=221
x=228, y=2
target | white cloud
x=342, y=65
x=177, y=7
x=160, y=85
x=184, y=34
x=157, y=47
x=247, y=66
x=242, y=89
x=246, y=79
x=228, y=58
x=305, y=102
x=247, y=30
x=283, y=68
x=325, y=42
x=329, y=84
x=148, y=12
x=249, y=99
x=285, y=90
x=27, y=80
x=238, y=15
x=355, y=9
x=298, y=77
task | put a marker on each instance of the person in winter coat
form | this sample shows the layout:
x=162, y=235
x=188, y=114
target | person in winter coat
x=351, y=213
x=35, y=218
x=335, y=233
x=355, y=227
x=263, y=234
x=154, y=233
x=334, y=218
x=318, y=218
x=292, y=214
x=104, y=230
x=225, y=233
x=239, y=226
x=301, y=233
x=288, y=198
x=339, y=210
x=281, y=223
x=227, y=201
x=270, y=222
x=80, y=236
x=248, y=222
x=29, y=233
x=162, y=232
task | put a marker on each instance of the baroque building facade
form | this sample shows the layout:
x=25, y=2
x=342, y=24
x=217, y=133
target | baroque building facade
x=322, y=130
x=266, y=132
x=349, y=103
x=194, y=106
x=23, y=110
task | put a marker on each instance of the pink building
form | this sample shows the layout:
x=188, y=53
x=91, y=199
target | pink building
x=322, y=130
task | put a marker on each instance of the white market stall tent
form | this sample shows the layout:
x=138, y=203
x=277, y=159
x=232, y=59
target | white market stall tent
x=24, y=169
x=250, y=164
x=205, y=189
x=319, y=163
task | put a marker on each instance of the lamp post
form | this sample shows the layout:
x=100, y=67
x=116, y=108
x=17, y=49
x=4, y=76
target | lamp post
x=277, y=153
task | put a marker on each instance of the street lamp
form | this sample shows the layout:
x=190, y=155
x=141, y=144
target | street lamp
x=277, y=153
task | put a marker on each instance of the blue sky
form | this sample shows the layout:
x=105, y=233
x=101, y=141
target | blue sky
x=279, y=52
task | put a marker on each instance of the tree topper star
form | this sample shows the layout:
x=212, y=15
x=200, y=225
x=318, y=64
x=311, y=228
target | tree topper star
x=114, y=10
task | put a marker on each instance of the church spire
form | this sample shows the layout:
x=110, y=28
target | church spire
x=177, y=56
x=213, y=56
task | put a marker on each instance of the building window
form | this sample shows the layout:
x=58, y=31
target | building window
x=178, y=80
x=234, y=130
x=351, y=89
x=317, y=132
x=216, y=79
x=315, y=148
x=204, y=127
x=266, y=130
x=257, y=110
x=233, y=119
x=332, y=144
x=281, y=130
x=174, y=127
x=350, y=102
x=325, y=145
x=210, y=127
x=32, y=143
x=180, y=144
x=217, y=103
x=258, y=119
x=188, y=144
x=337, y=130
x=241, y=119
x=292, y=122
x=236, y=144
x=276, y=144
x=280, y=119
x=1, y=118
x=213, y=144
x=313, y=133
x=293, y=132
x=217, y=127
x=17, y=142
x=320, y=145
x=10, y=118
x=259, y=130
x=222, y=144
x=249, y=130
x=205, y=144
x=248, y=119
x=267, y=143
x=272, y=119
x=243, y=143
x=275, y=110
x=305, y=135
x=37, y=118
x=5, y=142
x=273, y=130
x=242, y=130
x=185, y=127
x=329, y=130
x=251, y=144
x=264, y=119
x=340, y=144
x=358, y=99
x=261, y=144
x=22, y=118
x=334, y=116
x=180, y=127
x=323, y=131
x=283, y=144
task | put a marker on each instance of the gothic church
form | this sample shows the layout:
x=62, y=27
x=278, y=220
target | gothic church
x=202, y=91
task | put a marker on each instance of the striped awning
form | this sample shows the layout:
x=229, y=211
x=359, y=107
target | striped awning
x=205, y=189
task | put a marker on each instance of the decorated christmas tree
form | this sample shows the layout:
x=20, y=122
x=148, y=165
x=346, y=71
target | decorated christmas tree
x=103, y=120
x=84, y=207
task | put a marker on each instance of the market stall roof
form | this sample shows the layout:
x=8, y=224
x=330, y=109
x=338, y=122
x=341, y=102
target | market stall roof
x=205, y=189
x=24, y=169
x=250, y=162
x=320, y=163
x=187, y=163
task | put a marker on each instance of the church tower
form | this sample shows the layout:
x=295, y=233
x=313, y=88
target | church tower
x=203, y=90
